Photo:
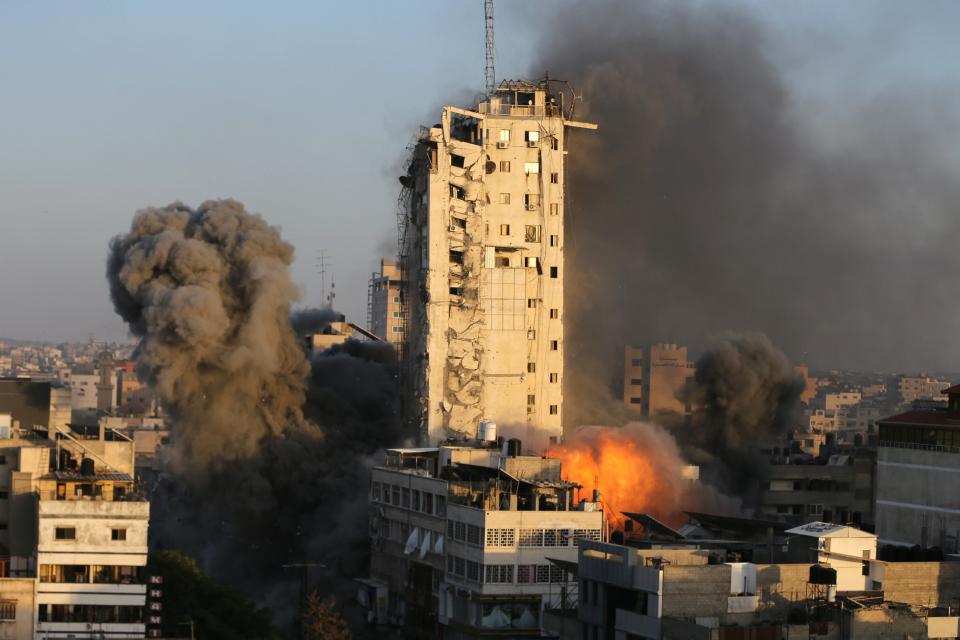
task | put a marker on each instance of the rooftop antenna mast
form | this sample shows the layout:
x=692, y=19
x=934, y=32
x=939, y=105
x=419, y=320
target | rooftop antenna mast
x=489, y=73
x=322, y=270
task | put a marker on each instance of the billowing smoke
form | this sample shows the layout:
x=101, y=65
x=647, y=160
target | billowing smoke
x=745, y=393
x=312, y=320
x=271, y=451
x=208, y=292
x=711, y=199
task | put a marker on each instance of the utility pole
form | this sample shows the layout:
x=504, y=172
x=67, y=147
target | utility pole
x=489, y=74
x=190, y=623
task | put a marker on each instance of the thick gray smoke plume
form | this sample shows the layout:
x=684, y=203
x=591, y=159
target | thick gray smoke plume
x=708, y=202
x=745, y=393
x=208, y=293
x=272, y=451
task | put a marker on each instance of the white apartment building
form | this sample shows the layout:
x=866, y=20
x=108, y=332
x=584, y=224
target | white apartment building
x=472, y=536
x=72, y=525
x=91, y=553
x=482, y=240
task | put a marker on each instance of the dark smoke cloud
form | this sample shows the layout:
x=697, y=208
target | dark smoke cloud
x=709, y=201
x=311, y=320
x=208, y=291
x=271, y=453
x=746, y=393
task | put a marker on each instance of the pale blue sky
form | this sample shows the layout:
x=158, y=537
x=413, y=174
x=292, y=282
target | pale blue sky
x=302, y=110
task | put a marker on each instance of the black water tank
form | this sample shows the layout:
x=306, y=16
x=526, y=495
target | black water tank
x=87, y=467
x=514, y=447
x=820, y=574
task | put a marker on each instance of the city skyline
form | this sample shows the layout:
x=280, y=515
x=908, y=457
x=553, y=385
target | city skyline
x=243, y=113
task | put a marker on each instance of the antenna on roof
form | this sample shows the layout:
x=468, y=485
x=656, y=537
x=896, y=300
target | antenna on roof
x=489, y=73
x=322, y=265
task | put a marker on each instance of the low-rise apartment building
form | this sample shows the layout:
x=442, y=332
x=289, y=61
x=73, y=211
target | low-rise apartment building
x=469, y=539
x=74, y=528
x=839, y=489
x=835, y=588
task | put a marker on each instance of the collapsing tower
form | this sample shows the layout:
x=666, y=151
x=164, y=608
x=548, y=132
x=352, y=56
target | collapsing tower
x=481, y=230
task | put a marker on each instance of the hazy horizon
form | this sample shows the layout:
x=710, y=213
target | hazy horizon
x=303, y=112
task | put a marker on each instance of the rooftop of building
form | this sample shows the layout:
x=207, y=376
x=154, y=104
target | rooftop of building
x=938, y=417
x=828, y=530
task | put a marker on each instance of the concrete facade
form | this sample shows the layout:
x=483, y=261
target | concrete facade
x=684, y=594
x=921, y=388
x=839, y=491
x=466, y=539
x=482, y=238
x=74, y=528
x=385, y=310
x=654, y=377
x=918, y=467
x=917, y=500
x=834, y=401
x=17, y=597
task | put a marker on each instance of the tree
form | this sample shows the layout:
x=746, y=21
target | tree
x=217, y=611
x=322, y=620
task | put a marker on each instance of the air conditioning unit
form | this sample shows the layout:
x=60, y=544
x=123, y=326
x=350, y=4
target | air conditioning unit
x=531, y=207
x=533, y=143
x=503, y=144
x=452, y=228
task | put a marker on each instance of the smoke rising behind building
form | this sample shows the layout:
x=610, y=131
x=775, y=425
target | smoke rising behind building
x=710, y=199
x=208, y=293
x=270, y=450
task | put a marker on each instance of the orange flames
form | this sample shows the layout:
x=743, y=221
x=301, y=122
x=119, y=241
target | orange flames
x=636, y=468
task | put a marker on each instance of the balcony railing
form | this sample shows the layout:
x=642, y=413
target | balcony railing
x=521, y=110
x=919, y=447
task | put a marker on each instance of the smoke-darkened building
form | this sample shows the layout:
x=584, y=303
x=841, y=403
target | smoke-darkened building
x=34, y=404
x=654, y=378
x=838, y=489
x=482, y=258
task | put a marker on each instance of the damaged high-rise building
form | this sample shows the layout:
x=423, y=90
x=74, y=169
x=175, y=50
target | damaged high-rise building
x=481, y=244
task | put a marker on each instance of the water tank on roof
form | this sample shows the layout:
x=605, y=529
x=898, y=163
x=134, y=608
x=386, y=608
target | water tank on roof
x=487, y=431
x=87, y=468
x=820, y=574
